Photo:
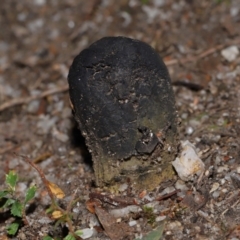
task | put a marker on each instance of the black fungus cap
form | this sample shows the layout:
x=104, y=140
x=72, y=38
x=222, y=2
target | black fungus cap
x=122, y=98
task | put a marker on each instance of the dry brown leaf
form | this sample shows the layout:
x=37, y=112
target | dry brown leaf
x=4, y=237
x=143, y=194
x=57, y=191
x=57, y=214
x=91, y=203
x=115, y=230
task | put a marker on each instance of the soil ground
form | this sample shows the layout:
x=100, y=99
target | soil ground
x=199, y=42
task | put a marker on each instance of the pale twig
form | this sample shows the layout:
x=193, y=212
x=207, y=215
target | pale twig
x=194, y=58
x=24, y=100
x=6, y=149
x=41, y=174
x=202, y=54
x=205, y=216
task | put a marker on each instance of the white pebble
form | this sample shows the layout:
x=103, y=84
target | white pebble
x=132, y=223
x=160, y=218
x=188, y=163
x=184, y=116
x=45, y=123
x=71, y=24
x=230, y=53
x=123, y=187
x=189, y=130
x=86, y=233
x=158, y=3
x=176, y=225
x=216, y=194
x=39, y=2
x=38, y=144
x=123, y=212
x=224, y=190
x=21, y=187
x=181, y=185
x=60, y=136
x=222, y=181
x=222, y=168
x=167, y=190
x=234, y=11
x=66, y=112
x=33, y=106
x=215, y=186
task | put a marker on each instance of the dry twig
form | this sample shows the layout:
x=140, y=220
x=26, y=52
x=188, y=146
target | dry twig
x=8, y=148
x=195, y=58
x=165, y=196
x=41, y=174
x=24, y=100
x=201, y=55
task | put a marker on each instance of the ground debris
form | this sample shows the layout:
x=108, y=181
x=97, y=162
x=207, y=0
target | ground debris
x=38, y=40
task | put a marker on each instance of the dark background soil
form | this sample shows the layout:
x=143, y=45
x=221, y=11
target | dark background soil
x=38, y=41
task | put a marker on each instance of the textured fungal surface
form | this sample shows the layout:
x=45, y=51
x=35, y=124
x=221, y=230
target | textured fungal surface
x=122, y=99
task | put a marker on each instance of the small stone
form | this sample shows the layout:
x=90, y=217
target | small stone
x=230, y=53
x=222, y=181
x=194, y=123
x=33, y=106
x=132, y=223
x=66, y=112
x=86, y=233
x=159, y=3
x=60, y=136
x=21, y=187
x=123, y=212
x=38, y=144
x=181, y=185
x=175, y=226
x=184, y=116
x=45, y=124
x=188, y=163
x=215, y=186
x=235, y=177
x=189, y=130
x=222, y=168
x=123, y=187
x=216, y=194
x=167, y=190
x=207, y=173
x=160, y=218
x=234, y=11
x=39, y=2
x=224, y=190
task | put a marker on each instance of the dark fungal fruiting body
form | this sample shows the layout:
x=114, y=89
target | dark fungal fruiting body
x=123, y=101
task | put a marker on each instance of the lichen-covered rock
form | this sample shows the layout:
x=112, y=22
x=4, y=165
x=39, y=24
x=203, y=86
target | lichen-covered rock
x=122, y=99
